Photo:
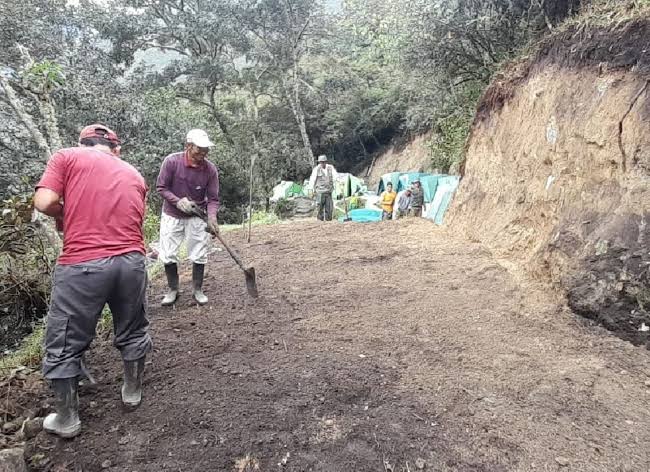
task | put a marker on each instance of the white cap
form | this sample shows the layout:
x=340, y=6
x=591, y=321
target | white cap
x=199, y=138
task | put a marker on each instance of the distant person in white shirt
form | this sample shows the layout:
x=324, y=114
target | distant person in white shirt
x=322, y=181
x=403, y=203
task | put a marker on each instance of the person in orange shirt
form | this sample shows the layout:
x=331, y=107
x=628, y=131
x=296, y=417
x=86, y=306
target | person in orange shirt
x=387, y=201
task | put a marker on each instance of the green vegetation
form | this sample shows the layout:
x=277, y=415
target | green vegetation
x=26, y=262
x=274, y=82
x=151, y=227
x=284, y=208
x=29, y=354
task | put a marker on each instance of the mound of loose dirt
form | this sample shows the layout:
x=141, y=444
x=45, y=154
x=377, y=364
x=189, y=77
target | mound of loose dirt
x=556, y=174
x=380, y=347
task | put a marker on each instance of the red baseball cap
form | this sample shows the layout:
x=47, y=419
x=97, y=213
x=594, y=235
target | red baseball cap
x=99, y=131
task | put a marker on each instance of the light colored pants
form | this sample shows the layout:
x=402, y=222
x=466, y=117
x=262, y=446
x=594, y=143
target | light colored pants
x=173, y=231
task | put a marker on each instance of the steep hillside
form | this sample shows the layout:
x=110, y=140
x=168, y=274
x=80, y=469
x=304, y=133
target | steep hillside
x=414, y=156
x=557, y=169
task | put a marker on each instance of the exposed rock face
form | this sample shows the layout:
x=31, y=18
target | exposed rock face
x=557, y=177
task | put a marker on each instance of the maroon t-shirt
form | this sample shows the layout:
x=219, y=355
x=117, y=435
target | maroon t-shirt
x=103, y=203
x=178, y=179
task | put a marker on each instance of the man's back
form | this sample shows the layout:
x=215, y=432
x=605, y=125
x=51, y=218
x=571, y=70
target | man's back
x=104, y=203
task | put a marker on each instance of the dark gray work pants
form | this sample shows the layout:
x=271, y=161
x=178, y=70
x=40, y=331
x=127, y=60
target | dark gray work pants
x=325, y=206
x=79, y=294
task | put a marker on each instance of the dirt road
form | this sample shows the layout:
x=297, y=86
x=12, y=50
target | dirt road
x=386, y=347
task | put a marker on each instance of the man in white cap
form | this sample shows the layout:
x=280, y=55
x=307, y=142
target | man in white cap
x=322, y=181
x=188, y=182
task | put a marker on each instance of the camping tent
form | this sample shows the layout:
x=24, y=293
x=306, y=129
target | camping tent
x=286, y=189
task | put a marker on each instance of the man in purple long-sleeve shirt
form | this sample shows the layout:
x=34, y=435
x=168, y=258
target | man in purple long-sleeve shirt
x=187, y=180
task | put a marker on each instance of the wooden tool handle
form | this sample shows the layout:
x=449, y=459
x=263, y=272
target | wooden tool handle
x=230, y=251
x=203, y=215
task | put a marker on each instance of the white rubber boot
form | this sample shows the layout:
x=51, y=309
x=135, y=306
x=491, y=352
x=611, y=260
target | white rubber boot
x=171, y=271
x=65, y=422
x=132, y=387
x=198, y=271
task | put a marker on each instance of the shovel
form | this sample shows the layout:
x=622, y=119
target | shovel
x=249, y=271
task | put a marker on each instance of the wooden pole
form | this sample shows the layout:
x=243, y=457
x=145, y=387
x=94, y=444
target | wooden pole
x=250, y=200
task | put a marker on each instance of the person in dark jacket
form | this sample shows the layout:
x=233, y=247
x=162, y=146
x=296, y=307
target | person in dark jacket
x=417, y=199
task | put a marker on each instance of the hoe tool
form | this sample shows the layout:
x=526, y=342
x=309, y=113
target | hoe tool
x=249, y=271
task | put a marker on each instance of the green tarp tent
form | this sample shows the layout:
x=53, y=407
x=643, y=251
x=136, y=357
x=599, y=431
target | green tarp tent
x=356, y=185
x=286, y=189
x=407, y=178
x=403, y=180
x=438, y=190
x=430, y=185
x=347, y=185
x=392, y=177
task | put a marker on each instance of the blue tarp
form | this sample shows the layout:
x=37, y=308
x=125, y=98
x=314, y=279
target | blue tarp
x=363, y=215
x=446, y=187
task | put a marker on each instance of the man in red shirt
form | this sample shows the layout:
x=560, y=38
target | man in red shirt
x=100, y=201
x=187, y=182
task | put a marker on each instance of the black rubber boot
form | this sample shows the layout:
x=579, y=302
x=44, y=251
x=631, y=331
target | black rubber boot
x=132, y=387
x=198, y=270
x=65, y=422
x=171, y=271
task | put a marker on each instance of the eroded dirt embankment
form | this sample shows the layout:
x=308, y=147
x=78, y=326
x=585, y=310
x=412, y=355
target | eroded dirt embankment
x=558, y=170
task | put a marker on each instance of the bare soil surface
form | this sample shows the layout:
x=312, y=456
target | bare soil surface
x=382, y=347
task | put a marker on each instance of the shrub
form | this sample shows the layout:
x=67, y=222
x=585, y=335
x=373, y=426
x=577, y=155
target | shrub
x=27, y=259
x=284, y=208
x=151, y=226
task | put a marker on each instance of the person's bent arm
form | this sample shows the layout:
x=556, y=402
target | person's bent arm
x=48, y=202
x=164, y=183
x=312, y=179
x=51, y=188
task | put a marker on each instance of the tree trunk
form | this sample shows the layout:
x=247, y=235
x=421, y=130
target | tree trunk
x=296, y=107
x=250, y=197
x=26, y=119
x=46, y=107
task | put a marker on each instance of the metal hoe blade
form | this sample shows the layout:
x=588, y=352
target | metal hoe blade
x=249, y=272
x=251, y=283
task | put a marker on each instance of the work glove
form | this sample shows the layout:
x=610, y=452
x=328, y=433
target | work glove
x=213, y=227
x=187, y=206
